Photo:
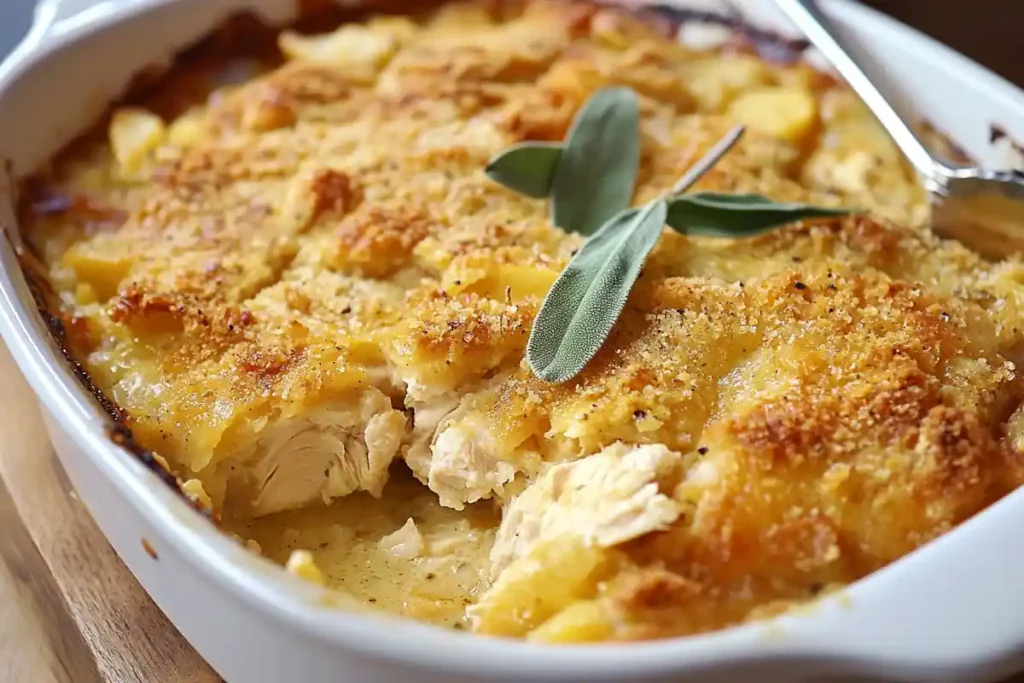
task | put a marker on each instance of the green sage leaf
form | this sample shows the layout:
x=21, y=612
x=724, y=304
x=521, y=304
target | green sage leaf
x=737, y=215
x=595, y=177
x=527, y=168
x=587, y=298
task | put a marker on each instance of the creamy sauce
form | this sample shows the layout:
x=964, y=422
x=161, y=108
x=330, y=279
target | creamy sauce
x=345, y=541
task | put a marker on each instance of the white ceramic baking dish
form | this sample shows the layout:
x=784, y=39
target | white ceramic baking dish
x=953, y=611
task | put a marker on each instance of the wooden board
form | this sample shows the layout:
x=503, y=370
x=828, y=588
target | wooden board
x=70, y=611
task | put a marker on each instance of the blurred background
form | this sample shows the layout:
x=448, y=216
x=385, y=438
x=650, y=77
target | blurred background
x=983, y=30
x=14, y=18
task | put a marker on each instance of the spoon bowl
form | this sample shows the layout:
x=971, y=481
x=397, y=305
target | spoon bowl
x=982, y=209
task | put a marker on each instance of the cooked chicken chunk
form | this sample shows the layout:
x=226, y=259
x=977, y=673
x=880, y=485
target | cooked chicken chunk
x=455, y=452
x=604, y=499
x=466, y=466
x=426, y=420
x=404, y=544
x=592, y=504
x=328, y=453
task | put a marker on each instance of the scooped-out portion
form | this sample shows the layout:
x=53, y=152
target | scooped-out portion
x=401, y=552
x=285, y=262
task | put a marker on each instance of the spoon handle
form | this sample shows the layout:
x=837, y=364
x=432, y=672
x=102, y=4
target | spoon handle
x=819, y=29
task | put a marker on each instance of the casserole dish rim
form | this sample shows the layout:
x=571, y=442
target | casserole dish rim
x=794, y=637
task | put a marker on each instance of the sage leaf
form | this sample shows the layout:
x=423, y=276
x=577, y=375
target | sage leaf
x=596, y=174
x=737, y=215
x=587, y=298
x=527, y=168
x=710, y=158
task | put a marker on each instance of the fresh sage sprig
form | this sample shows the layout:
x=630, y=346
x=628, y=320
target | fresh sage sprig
x=528, y=168
x=737, y=215
x=587, y=298
x=595, y=177
x=583, y=304
x=590, y=178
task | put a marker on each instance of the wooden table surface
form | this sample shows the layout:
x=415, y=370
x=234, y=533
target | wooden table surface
x=70, y=611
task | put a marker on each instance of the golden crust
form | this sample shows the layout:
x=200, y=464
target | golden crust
x=323, y=238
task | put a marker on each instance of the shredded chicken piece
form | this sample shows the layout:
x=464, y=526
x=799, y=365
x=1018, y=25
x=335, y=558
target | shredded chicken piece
x=465, y=466
x=322, y=456
x=455, y=452
x=404, y=544
x=553, y=544
x=427, y=419
x=604, y=499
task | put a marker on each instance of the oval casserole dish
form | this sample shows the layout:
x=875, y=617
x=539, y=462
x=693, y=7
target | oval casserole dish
x=949, y=611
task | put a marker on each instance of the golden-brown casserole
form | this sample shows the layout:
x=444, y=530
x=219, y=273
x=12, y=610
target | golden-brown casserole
x=304, y=284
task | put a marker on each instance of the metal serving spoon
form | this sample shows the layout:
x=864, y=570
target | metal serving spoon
x=984, y=210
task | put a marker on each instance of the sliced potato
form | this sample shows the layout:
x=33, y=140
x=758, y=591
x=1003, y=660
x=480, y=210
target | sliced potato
x=98, y=266
x=370, y=45
x=856, y=156
x=538, y=585
x=301, y=564
x=582, y=622
x=619, y=29
x=803, y=75
x=716, y=81
x=785, y=113
x=134, y=133
x=503, y=281
x=187, y=130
